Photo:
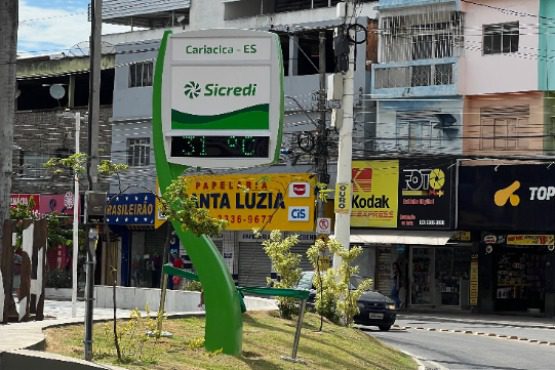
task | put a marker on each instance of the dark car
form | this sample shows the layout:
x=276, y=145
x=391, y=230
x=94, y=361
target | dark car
x=375, y=309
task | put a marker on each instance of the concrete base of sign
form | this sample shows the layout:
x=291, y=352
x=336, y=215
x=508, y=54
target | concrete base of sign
x=176, y=300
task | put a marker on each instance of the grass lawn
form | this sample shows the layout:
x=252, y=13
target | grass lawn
x=266, y=338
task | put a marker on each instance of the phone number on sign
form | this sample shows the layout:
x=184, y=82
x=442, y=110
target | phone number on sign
x=250, y=219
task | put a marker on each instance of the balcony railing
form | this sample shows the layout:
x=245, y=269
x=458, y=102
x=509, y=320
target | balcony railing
x=413, y=76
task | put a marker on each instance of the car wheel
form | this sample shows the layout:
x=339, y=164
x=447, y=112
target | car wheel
x=384, y=327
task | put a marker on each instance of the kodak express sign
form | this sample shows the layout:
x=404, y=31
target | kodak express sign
x=270, y=201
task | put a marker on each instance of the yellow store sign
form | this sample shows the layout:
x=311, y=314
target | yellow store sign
x=375, y=193
x=247, y=201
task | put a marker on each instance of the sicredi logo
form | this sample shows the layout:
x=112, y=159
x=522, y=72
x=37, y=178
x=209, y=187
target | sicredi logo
x=193, y=90
x=298, y=214
x=299, y=190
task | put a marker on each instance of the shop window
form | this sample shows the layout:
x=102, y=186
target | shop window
x=140, y=74
x=138, y=152
x=501, y=38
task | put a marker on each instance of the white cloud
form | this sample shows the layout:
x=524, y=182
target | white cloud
x=48, y=30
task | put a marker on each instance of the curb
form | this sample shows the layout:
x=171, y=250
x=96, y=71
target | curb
x=484, y=334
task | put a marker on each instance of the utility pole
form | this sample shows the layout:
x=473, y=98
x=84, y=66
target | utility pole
x=92, y=171
x=75, y=219
x=342, y=229
x=322, y=143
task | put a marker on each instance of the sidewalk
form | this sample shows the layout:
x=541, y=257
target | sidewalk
x=29, y=335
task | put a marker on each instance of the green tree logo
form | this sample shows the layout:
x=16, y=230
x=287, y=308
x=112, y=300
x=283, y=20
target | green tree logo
x=191, y=89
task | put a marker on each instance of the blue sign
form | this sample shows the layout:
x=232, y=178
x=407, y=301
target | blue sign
x=130, y=209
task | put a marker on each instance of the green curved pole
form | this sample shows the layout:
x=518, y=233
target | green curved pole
x=224, y=323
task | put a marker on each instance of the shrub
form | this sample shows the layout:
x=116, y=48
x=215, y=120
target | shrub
x=286, y=265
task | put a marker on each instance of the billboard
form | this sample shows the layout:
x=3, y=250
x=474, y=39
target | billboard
x=426, y=194
x=375, y=193
x=404, y=194
x=252, y=201
x=510, y=197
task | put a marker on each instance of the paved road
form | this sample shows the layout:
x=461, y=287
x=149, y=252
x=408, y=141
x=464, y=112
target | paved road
x=474, y=343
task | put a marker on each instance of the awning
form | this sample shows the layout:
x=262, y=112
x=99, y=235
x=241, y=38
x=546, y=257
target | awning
x=401, y=237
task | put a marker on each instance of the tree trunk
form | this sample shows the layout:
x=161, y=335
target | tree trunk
x=9, y=19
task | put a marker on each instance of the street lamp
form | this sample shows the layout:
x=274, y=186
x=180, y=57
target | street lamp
x=77, y=116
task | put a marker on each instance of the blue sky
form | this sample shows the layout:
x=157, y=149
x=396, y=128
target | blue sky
x=54, y=26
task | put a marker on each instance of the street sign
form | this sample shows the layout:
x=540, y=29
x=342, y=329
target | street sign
x=323, y=225
x=222, y=98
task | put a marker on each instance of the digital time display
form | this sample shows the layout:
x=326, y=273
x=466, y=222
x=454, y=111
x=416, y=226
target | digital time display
x=220, y=146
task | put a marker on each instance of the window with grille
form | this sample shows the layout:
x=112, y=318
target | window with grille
x=443, y=74
x=33, y=165
x=138, y=152
x=140, y=74
x=501, y=38
x=421, y=75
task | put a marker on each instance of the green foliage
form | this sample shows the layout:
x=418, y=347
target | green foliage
x=192, y=285
x=23, y=211
x=286, y=265
x=108, y=168
x=134, y=341
x=179, y=205
x=196, y=343
x=336, y=283
x=325, y=282
x=322, y=192
x=59, y=232
x=75, y=163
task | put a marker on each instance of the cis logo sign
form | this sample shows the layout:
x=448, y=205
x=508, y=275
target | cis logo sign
x=298, y=214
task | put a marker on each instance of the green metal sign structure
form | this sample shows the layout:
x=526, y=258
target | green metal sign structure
x=217, y=103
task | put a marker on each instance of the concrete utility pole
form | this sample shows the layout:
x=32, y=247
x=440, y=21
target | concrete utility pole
x=322, y=143
x=92, y=171
x=75, y=220
x=342, y=229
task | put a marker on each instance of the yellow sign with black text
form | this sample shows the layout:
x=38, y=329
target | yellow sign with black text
x=269, y=201
x=375, y=193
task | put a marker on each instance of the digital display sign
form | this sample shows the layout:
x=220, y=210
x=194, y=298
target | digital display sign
x=218, y=98
x=220, y=146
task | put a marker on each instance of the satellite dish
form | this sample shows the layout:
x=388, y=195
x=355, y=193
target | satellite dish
x=82, y=48
x=57, y=91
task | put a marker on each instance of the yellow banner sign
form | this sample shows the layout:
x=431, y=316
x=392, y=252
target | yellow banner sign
x=342, y=198
x=247, y=201
x=474, y=281
x=530, y=239
x=159, y=217
x=375, y=193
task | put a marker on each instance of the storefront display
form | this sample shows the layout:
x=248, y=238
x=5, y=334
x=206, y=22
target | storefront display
x=440, y=276
x=520, y=279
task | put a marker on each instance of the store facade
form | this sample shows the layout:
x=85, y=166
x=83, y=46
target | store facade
x=510, y=210
x=409, y=231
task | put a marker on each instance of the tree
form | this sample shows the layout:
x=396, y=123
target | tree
x=9, y=20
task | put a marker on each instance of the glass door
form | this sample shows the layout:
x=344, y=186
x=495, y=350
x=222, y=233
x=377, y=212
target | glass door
x=422, y=276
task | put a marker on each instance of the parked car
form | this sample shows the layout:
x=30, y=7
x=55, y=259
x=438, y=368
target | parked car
x=375, y=309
